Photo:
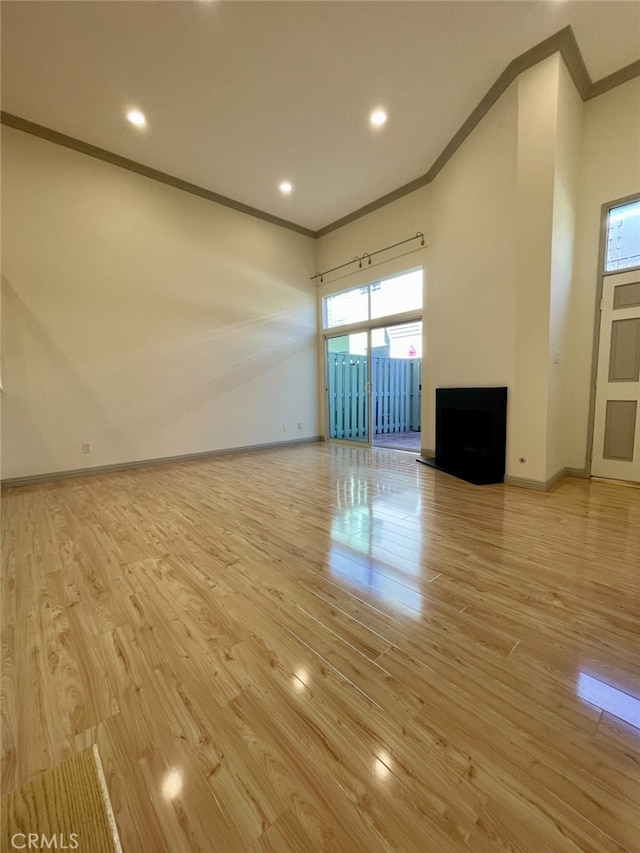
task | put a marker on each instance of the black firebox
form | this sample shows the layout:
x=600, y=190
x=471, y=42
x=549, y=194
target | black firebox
x=471, y=433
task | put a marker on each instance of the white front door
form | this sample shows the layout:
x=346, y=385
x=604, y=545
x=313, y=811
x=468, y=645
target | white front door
x=616, y=436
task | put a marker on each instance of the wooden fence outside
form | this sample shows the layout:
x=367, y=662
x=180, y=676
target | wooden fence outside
x=395, y=395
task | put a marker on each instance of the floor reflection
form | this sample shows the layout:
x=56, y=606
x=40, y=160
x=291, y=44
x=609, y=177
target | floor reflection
x=382, y=765
x=603, y=695
x=377, y=544
x=369, y=576
x=300, y=679
x=172, y=784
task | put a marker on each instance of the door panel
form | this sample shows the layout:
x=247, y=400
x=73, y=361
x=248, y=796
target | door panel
x=616, y=438
x=348, y=387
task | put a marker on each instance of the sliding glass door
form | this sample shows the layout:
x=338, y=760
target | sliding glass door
x=373, y=365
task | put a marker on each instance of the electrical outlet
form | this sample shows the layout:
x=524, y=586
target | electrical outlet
x=284, y=427
x=299, y=424
x=86, y=447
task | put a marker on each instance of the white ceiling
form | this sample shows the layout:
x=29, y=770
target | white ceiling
x=241, y=95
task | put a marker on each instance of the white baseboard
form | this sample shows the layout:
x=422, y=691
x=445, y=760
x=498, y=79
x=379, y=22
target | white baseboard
x=146, y=463
x=583, y=473
x=537, y=485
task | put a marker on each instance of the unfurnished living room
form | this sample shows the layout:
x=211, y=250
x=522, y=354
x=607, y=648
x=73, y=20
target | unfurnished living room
x=320, y=457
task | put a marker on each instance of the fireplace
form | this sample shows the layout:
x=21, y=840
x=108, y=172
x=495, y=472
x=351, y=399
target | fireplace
x=471, y=433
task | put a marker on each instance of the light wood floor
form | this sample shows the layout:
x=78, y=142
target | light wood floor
x=326, y=648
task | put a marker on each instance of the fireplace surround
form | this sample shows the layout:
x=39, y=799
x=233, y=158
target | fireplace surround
x=471, y=434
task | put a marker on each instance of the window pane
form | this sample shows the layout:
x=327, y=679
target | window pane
x=395, y=295
x=355, y=344
x=351, y=306
x=623, y=237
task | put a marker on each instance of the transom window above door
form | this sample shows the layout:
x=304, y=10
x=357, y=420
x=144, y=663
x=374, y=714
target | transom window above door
x=384, y=298
x=623, y=237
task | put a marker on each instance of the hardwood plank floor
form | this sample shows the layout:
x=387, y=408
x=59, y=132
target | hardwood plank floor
x=320, y=648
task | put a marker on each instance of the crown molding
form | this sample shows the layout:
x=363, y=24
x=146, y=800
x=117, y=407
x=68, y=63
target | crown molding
x=622, y=75
x=146, y=171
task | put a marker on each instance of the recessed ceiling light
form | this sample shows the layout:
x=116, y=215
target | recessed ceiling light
x=285, y=187
x=378, y=118
x=136, y=118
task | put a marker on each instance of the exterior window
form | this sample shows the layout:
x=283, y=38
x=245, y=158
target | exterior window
x=623, y=237
x=381, y=299
x=396, y=295
x=351, y=306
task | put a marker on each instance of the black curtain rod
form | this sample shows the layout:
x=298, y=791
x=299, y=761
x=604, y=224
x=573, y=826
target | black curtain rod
x=359, y=259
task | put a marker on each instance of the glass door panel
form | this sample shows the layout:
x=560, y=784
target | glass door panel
x=396, y=383
x=348, y=387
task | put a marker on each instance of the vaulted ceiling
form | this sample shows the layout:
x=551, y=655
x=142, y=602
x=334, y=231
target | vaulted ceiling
x=240, y=96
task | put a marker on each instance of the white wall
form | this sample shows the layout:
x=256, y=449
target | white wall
x=549, y=132
x=565, y=205
x=512, y=225
x=610, y=169
x=466, y=214
x=154, y=323
x=537, y=122
x=143, y=319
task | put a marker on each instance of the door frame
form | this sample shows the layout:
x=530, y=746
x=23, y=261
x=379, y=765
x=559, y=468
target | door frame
x=602, y=274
